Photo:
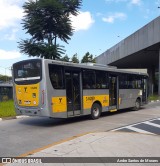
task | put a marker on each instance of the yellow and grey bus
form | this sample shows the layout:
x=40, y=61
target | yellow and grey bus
x=62, y=89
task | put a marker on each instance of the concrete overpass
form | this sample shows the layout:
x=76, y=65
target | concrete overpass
x=139, y=50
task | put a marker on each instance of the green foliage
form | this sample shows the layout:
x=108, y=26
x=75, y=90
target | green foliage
x=4, y=78
x=42, y=50
x=45, y=21
x=7, y=109
x=154, y=97
x=88, y=58
x=74, y=59
x=65, y=58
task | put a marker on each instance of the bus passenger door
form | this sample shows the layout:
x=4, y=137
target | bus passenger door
x=73, y=94
x=113, y=92
x=144, y=90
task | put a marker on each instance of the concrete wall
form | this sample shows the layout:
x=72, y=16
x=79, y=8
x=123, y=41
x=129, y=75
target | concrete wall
x=137, y=70
x=141, y=39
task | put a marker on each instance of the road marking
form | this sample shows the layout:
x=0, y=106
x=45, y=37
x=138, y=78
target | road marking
x=52, y=144
x=153, y=119
x=135, y=124
x=139, y=130
x=136, y=129
x=152, y=124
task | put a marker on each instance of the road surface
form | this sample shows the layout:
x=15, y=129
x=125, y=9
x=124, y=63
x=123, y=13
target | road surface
x=19, y=136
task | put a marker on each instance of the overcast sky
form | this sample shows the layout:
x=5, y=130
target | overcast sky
x=99, y=25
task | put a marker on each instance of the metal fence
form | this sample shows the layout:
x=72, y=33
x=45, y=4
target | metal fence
x=6, y=91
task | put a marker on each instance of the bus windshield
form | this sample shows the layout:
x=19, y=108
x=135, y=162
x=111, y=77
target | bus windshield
x=27, y=71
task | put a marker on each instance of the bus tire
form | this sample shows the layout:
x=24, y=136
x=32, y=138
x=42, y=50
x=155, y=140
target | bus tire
x=95, y=111
x=137, y=105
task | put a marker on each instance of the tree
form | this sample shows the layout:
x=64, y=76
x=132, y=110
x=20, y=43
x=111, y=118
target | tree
x=88, y=58
x=46, y=21
x=4, y=78
x=74, y=59
x=65, y=58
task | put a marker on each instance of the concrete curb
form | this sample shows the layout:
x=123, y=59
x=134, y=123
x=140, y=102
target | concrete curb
x=96, y=144
x=153, y=101
x=14, y=117
x=22, y=116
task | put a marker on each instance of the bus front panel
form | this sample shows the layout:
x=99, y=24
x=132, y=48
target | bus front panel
x=27, y=95
x=28, y=89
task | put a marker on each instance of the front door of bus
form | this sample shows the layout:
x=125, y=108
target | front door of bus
x=113, y=91
x=72, y=79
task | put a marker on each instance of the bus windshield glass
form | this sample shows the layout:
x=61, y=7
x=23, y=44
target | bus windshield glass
x=27, y=71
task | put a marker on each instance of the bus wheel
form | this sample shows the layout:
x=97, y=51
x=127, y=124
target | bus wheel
x=137, y=105
x=95, y=111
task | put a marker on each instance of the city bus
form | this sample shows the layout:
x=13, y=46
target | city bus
x=60, y=89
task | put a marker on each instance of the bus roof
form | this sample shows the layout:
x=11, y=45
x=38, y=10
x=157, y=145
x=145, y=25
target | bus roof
x=88, y=66
x=94, y=66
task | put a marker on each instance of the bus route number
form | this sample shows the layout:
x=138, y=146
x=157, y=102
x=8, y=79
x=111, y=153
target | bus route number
x=91, y=98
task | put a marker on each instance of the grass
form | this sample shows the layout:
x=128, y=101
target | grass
x=7, y=109
x=154, y=97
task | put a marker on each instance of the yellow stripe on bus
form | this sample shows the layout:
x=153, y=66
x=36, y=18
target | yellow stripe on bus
x=59, y=104
x=120, y=100
x=89, y=100
x=113, y=110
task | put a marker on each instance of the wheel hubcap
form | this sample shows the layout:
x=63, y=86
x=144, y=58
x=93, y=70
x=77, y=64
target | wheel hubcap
x=96, y=112
x=137, y=105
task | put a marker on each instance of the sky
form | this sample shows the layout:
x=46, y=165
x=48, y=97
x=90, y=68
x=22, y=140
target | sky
x=100, y=25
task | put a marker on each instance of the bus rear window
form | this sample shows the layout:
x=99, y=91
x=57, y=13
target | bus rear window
x=27, y=71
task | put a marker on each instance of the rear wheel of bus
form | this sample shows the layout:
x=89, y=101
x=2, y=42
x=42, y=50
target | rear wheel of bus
x=137, y=104
x=96, y=111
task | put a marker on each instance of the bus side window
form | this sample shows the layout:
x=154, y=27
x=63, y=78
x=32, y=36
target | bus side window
x=138, y=82
x=101, y=80
x=123, y=81
x=130, y=81
x=89, y=79
x=56, y=76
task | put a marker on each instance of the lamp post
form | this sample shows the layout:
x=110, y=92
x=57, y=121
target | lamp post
x=7, y=68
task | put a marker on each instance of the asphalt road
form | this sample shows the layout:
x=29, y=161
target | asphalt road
x=19, y=136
